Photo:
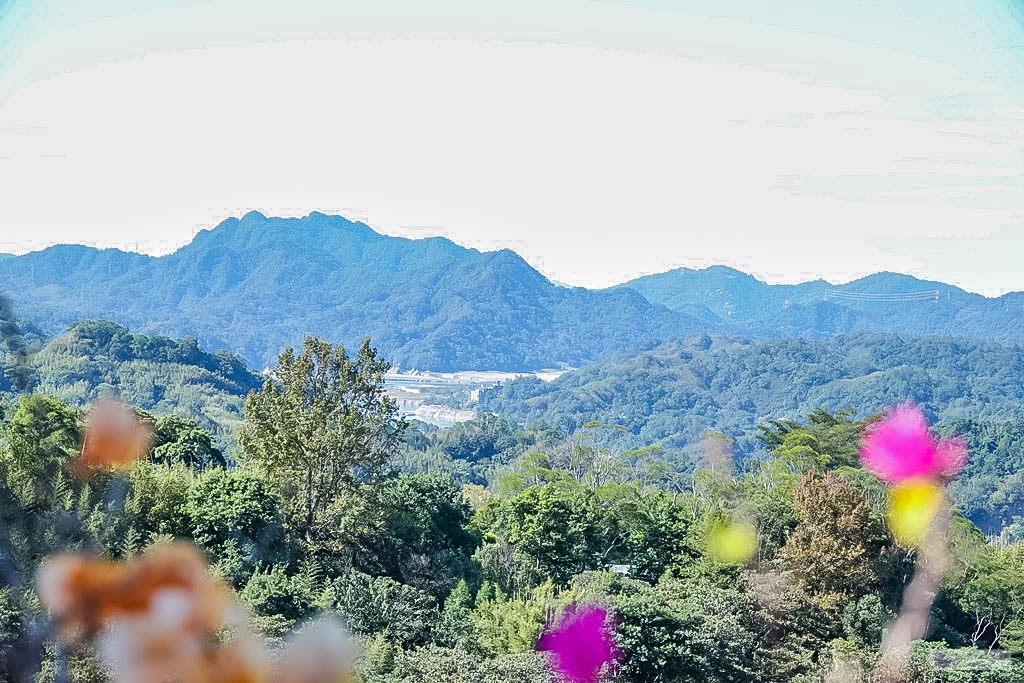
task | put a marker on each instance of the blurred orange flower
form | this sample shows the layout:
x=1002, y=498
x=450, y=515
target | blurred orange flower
x=84, y=592
x=319, y=653
x=114, y=437
x=163, y=617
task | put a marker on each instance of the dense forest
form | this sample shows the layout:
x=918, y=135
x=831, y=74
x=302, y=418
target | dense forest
x=671, y=393
x=667, y=397
x=448, y=553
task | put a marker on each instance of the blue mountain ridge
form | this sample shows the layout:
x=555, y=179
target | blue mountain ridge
x=881, y=302
x=253, y=285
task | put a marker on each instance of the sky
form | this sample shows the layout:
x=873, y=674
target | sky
x=600, y=139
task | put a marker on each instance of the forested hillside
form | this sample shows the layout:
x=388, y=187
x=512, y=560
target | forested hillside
x=991, y=490
x=667, y=397
x=258, y=284
x=337, y=508
x=97, y=359
x=670, y=394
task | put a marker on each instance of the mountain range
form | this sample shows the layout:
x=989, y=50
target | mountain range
x=255, y=285
x=882, y=302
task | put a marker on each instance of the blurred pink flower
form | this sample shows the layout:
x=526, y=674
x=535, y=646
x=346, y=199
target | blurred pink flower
x=901, y=447
x=581, y=644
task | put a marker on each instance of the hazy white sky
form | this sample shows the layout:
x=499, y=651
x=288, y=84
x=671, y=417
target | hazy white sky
x=600, y=139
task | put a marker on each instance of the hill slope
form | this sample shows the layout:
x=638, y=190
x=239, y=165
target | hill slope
x=97, y=358
x=258, y=284
x=672, y=393
x=883, y=302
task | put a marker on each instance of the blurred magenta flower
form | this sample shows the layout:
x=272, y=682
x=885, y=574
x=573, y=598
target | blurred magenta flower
x=901, y=447
x=582, y=644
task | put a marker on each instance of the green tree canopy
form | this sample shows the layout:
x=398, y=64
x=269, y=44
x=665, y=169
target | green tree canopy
x=40, y=440
x=181, y=439
x=319, y=425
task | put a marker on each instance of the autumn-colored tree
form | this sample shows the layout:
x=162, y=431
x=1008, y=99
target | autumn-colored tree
x=832, y=553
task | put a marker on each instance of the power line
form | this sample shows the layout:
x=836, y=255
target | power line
x=929, y=295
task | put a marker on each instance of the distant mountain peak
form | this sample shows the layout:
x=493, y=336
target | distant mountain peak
x=257, y=284
x=879, y=302
x=257, y=232
x=726, y=270
x=716, y=270
x=895, y=282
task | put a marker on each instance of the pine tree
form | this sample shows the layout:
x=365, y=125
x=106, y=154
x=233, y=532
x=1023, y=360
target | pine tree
x=455, y=625
x=132, y=542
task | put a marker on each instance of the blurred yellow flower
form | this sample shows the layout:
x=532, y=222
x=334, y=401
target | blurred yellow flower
x=912, y=508
x=732, y=543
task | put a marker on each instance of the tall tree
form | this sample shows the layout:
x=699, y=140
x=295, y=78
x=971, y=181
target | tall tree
x=320, y=424
x=832, y=553
x=993, y=595
x=413, y=529
x=556, y=526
